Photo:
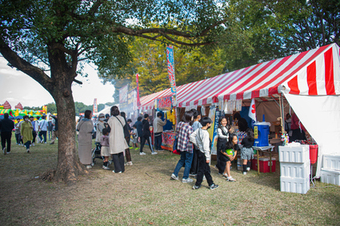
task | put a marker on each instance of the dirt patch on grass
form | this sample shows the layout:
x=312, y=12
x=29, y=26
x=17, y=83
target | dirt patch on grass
x=145, y=195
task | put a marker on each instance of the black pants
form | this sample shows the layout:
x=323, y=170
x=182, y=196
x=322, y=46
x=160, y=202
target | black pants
x=128, y=140
x=41, y=134
x=203, y=169
x=118, y=162
x=18, y=138
x=158, y=141
x=194, y=164
x=6, y=137
x=34, y=136
x=142, y=143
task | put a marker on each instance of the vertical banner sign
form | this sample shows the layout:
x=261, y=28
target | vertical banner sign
x=137, y=83
x=171, y=68
x=214, y=139
x=123, y=94
x=212, y=117
x=95, y=106
x=252, y=111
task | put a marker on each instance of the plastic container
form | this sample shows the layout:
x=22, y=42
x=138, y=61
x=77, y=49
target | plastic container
x=294, y=185
x=295, y=170
x=313, y=153
x=330, y=176
x=296, y=153
x=264, y=165
x=331, y=162
x=261, y=133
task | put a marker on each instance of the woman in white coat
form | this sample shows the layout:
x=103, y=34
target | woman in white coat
x=85, y=128
x=117, y=141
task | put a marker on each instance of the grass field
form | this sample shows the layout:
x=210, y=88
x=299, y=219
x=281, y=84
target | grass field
x=145, y=195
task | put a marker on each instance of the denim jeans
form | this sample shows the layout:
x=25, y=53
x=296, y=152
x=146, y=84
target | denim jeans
x=158, y=141
x=186, y=158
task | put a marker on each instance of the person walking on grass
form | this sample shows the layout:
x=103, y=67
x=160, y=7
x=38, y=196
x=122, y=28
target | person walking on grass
x=117, y=141
x=85, y=129
x=146, y=136
x=247, y=150
x=201, y=139
x=55, y=128
x=26, y=132
x=35, y=129
x=43, y=129
x=105, y=148
x=229, y=155
x=6, y=127
x=17, y=132
x=183, y=132
x=127, y=130
x=158, y=124
x=134, y=134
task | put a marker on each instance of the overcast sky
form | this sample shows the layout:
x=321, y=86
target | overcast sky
x=16, y=87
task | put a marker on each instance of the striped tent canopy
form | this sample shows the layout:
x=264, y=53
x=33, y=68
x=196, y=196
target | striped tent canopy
x=313, y=72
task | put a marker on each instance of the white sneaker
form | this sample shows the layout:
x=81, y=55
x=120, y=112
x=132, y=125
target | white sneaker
x=154, y=153
x=244, y=173
x=88, y=166
x=248, y=168
x=188, y=180
x=7, y=153
x=106, y=168
x=173, y=176
x=142, y=153
x=231, y=179
x=129, y=163
x=33, y=144
x=4, y=151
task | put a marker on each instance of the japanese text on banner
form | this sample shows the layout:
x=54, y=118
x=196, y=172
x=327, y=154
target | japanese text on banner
x=171, y=68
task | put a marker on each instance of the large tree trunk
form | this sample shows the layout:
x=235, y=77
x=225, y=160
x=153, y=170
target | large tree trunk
x=69, y=166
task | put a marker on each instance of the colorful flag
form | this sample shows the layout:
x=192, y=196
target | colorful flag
x=137, y=82
x=252, y=110
x=95, y=106
x=171, y=68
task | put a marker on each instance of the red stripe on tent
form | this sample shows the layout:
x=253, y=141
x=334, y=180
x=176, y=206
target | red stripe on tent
x=311, y=79
x=226, y=97
x=255, y=94
x=329, y=72
x=255, y=75
x=272, y=90
x=239, y=96
x=294, y=62
x=293, y=85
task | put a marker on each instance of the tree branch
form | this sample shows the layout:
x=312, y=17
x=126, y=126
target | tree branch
x=34, y=72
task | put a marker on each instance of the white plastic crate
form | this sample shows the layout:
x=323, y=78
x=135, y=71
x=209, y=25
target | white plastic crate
x=296, y=153
x=295, y=170
x=294, y=185
x=331, y=162
x=330, y=176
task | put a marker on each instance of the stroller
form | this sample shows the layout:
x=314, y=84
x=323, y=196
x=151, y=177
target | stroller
x=96, y=153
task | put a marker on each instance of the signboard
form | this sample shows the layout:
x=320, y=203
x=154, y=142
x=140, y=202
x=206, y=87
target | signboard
x=123, y=94
x=171, y=68
x=214, y=138
x=137, y=91
x=164, y=103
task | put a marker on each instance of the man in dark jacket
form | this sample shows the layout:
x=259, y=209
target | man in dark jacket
x=146, y=135
x=6, y=126
x=139, y=126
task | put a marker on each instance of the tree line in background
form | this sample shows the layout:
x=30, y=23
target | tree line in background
x=257, y=31
x=79, y=107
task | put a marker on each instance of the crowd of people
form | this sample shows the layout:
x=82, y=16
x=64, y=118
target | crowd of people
x=27, y=131
x=114, y=133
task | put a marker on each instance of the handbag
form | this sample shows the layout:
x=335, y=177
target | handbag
x=174, y=147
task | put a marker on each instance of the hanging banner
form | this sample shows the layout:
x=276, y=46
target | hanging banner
x=137, y=83
x=123, y=94
x=164, y=103
x=95, y=106
x=214, y=137
x=212, y=117
x=238, y=105
x=252, y=110
x=171, y=68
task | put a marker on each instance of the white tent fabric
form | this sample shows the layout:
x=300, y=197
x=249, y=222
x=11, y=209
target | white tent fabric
x=320, y=115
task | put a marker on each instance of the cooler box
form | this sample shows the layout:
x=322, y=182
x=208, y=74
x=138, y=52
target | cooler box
x=294, y=185
x=330, y=176
x=331, y=162
x=261, y=133
x=264, y=165
x=294, y=153
x=295, y=170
